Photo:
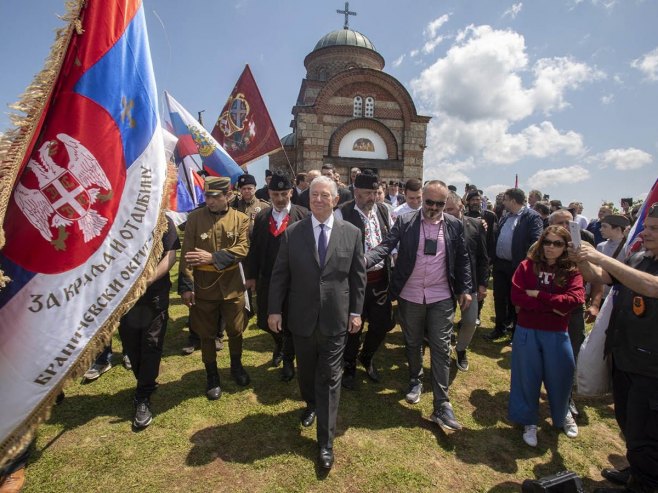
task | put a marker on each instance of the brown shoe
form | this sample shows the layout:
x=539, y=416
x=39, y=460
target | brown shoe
x=13, y=483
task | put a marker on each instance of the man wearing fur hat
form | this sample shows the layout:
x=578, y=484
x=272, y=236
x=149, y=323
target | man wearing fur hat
x=210, y=283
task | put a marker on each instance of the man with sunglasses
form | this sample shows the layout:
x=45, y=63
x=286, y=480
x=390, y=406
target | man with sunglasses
x=632, y=341
x=431, y=274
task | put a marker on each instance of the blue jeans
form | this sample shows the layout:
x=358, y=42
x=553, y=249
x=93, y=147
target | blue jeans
x=540, y=356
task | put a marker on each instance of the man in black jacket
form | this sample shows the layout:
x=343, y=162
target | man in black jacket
x=374, y=222
x=518, y=229
x=432, y=271
x=269, y=226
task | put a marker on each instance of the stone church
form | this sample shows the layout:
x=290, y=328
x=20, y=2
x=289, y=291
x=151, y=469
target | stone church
x=350, y=112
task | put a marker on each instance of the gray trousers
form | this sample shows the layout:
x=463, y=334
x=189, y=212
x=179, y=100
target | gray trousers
x=435, y=321
x=467, y=326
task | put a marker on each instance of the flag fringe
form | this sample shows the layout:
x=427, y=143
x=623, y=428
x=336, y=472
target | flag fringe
x=27, y=113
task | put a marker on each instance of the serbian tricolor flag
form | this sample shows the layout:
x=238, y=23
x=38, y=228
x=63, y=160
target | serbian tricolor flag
x=244, y=126
x=188, y=194
x=195, y=141
x=634, y=241
x=83, y=215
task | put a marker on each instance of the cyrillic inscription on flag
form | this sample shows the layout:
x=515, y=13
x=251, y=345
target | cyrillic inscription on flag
x=83, y=215
x=244, y=127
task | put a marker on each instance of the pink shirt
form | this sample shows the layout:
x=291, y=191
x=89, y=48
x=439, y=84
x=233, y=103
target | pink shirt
x=428, y=282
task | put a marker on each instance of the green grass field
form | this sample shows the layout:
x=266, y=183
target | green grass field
x=251, y=440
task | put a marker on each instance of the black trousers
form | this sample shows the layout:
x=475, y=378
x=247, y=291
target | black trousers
x=636, y=410
x=283, y=338
x=320, y=369
x=503, y=270
x=377, y=311
x=142, y=330
x=577, y=329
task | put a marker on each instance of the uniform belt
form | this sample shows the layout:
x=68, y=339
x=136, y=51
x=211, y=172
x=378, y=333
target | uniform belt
x=211, y=268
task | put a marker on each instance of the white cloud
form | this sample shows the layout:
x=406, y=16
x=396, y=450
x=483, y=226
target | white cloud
x=432, y=38
x=623, y=159
x=550, y=177
x=606, y=4
x=398, y=61
x=414, y=53
x=492, y=190
x=607, y=99
x=648, y=65
x=513, y=11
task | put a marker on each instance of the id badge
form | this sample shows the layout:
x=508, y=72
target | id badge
x=430, y=247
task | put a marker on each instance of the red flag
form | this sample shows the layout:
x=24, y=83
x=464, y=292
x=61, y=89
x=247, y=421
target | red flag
x=244, y=127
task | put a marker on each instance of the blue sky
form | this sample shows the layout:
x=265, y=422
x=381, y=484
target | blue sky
x=562, y=92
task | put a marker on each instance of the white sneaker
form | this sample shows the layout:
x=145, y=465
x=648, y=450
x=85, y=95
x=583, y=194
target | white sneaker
x=570, y=427
x=96, y=371
x=530, y=435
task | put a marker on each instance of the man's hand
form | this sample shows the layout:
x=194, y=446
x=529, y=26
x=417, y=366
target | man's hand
x=188, y=298
x=274, y=322
x=482, y=292
x=591, y=313
x=532, y=292
x=198, y=257
x=586, y=253
x=250, y=284
x=354, y=325
x=484, y=224
x=464, y=301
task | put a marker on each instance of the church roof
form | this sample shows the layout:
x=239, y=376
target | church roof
x=289, y=140
x=344, y=37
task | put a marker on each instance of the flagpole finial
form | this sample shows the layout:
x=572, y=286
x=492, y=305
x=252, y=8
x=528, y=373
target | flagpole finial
x=347, y=14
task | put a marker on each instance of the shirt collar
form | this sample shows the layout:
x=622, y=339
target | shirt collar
x=329, y=223
x=427, y=222
x=287, y=209
x=357, y=208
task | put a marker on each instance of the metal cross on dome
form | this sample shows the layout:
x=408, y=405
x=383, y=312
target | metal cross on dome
x=347, y=13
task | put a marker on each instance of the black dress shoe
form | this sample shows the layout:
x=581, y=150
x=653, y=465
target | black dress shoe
x=308, y=417
x=240, y=376
x=617, y=476
x=326, y=458
x=495, y=334
x=288, y=371
x=348, y=380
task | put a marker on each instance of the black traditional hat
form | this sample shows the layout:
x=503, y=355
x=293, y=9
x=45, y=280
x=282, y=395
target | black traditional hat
x=366, y=181
x=246, y=179
x=279, y=182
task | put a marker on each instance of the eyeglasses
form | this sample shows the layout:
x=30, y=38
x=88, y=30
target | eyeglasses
x=431, y=203
x=556, y=243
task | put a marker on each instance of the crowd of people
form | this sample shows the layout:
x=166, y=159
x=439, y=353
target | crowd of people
x=315, y=261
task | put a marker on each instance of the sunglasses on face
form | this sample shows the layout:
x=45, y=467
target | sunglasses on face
x=432, y=203
x=556, y=243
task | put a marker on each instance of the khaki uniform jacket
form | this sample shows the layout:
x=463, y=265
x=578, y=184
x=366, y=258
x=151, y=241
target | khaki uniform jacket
x=226, y=236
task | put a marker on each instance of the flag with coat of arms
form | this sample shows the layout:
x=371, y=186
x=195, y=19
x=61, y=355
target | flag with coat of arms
x=83, y=222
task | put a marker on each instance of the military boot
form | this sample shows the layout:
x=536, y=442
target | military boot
x=238, y=372
x=213, y=390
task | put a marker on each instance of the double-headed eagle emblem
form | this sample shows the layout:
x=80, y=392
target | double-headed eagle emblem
x=64, y=196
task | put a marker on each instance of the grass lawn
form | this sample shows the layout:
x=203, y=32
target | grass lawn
x=251, y=440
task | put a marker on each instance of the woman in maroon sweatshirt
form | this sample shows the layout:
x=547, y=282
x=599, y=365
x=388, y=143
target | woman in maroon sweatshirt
x=546, y=287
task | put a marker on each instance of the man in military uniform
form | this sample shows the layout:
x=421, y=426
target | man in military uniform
x=269, y=226
x=210, y=283
x=632, y=341
x=248, y=203
x=374, y=221
x=261, y=193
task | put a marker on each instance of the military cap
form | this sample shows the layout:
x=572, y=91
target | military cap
x=279, y=182
x=366, y=181
x=268, y=173
x=246, y=179
x=214, y=185
x=616, y=220
x=452, y=188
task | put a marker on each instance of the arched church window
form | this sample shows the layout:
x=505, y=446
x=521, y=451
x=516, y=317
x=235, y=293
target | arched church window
x=322, y=74
x=370, y=107
x=358, y=107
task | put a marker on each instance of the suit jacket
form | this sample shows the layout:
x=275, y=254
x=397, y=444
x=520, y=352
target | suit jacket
x=475, y=238
x=344, y=195
x=528, y=230
x=264, y=247
x=303, y=199
x=401, y=199
x=319, y=299
x=405, y=234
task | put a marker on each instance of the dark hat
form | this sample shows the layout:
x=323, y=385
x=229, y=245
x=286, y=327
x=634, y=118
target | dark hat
x=268, y=173
x=279, y=182
x=616, y=220
x=653, y=211
x=246, y=179
x=214, y=185
x=366, y=181
x=452, y=188
x=471, y=194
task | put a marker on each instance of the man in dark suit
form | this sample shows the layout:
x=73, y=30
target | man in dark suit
x=262, y=193
x=518, y=229
x=394, y=196
x=374, y=221
x=432, y=271
x=320, y=271
x=269, y=226
x=344, y=194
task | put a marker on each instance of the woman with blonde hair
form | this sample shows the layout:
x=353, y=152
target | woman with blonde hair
x=546, y=287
